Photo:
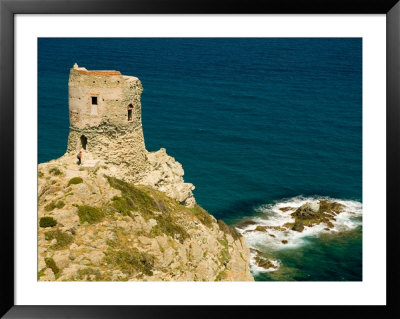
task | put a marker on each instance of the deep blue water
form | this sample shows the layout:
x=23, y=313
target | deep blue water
x=251, y=120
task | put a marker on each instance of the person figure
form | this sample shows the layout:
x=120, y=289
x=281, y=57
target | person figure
x=79, y=156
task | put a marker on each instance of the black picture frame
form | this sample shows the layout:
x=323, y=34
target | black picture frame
x=8, y=10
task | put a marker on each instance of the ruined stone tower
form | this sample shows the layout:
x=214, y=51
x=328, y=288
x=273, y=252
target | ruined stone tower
x=105, y=117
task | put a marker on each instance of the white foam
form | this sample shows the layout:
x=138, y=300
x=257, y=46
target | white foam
x=257, y=269
x=272, y=215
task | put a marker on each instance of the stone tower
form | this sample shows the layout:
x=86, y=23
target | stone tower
x=105, y=117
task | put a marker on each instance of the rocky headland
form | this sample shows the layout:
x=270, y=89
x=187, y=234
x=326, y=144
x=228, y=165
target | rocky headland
x=124, y=213
x=96, y=222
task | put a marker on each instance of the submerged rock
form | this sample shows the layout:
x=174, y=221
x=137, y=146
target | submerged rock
x=256, y=251
x=261, y=229
x=265, y=263
x=245, y=223
x=285, y=209
x=262, y=261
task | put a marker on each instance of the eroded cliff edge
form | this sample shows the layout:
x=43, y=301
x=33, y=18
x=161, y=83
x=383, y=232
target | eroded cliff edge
x=95, y=222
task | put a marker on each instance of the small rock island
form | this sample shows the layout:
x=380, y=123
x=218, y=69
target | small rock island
x=124, y=213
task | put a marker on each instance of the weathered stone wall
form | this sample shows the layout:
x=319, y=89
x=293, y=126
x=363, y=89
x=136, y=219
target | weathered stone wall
x=113, y=145
x=111, y=135
x=114, y=94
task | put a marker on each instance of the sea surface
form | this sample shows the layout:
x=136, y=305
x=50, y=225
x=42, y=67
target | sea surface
x=257, y=123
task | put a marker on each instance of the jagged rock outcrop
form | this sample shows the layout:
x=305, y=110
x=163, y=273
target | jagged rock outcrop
x=314, y=213
x=161, y=172
x=98, y=227
x=166, y=175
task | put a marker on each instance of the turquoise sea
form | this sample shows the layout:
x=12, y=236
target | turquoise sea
x=257, y=123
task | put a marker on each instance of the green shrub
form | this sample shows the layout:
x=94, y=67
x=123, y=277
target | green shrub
x=75, y=180
x=228, y=230
x=63, y=239
x=202, y=215
x=47, y=222
x=137, y=198
x=221, y=276
x=122, y=205
x=225, y=256
x=54, y=204
x=112, y=243
x=166, y=225
x=90, y=214
x=86, y=274
x=40, y=174
x=160, y=204
x=50, y=263
x=41, y=273
x=130, y=261
x=55, y=171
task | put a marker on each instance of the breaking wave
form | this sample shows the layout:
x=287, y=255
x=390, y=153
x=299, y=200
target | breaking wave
x=271, y=236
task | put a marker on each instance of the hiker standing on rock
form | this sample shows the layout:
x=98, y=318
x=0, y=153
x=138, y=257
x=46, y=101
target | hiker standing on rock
x=79, y=156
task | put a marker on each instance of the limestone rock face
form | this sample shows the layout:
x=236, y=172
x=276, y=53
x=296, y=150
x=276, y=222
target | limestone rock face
x=166, y=175
x=110, y=230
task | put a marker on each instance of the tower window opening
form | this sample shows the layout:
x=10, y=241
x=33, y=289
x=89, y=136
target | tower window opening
x=94, y=100
x=130, y=107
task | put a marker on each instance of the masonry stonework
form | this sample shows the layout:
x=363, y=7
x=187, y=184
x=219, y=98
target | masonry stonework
x=105, y=117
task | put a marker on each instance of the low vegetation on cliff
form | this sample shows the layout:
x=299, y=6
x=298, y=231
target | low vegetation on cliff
x=93, y=226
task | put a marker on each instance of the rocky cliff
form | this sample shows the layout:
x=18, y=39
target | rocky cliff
x=97, y=223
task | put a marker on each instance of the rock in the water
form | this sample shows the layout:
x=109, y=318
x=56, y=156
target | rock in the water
x=307, y=210
x=311, y=214
x=261, y=228
x=258, y=252
x=245, y=223
x=264, y=263
x=330, y=207
x=285, y=209
x=298, y=226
